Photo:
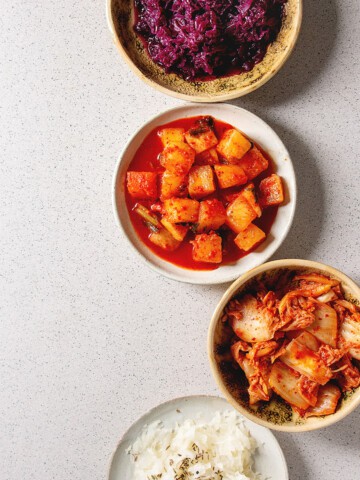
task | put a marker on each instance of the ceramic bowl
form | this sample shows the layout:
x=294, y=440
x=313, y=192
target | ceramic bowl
x=269, y=459
x=275, y=415
x=120, y=14
x=257, y=130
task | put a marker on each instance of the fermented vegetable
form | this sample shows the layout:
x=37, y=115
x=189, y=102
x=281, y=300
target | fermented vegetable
x=296, y=336
x=219, y=449
x=195, y=188
x=201, y=39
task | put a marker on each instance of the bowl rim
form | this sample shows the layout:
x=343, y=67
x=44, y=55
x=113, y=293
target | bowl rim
x=159, y=269
x=234, y=287
x=206, y=98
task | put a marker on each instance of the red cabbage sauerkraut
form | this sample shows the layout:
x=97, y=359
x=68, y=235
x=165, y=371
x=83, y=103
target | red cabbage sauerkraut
x=199, y=39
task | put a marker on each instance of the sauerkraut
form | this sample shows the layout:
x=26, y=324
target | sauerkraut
x=198, y=38
x=221, y=449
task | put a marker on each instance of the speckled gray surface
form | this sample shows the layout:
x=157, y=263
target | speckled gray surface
x=89, y=337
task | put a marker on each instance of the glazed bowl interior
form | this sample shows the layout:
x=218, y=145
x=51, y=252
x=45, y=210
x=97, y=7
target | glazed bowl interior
x=275, y=414
x=120, y=15
x=264, y=136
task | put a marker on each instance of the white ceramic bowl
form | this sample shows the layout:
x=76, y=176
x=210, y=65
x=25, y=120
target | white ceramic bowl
x=257, y=130
x=120, y=16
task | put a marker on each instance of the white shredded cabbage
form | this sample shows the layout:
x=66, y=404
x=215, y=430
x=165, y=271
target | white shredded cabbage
x=221, y=449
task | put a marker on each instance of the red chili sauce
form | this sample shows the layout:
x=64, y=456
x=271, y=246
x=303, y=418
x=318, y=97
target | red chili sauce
x=146, y=160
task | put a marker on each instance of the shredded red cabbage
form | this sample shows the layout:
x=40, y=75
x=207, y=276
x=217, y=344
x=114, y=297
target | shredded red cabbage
x=203, y=38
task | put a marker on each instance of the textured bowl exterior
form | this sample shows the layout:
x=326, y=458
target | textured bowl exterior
x=277, y=420
x=120, y=15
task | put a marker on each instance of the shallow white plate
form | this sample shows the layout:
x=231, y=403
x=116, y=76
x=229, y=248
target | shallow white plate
x=257, y=130
x=269, y=459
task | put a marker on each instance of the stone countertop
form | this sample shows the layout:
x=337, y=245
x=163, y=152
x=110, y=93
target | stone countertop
x=90, y=338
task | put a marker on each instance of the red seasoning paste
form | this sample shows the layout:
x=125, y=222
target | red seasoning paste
x=147, y=159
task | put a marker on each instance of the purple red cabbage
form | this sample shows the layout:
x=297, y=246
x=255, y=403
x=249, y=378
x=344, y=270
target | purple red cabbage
x=199, y=39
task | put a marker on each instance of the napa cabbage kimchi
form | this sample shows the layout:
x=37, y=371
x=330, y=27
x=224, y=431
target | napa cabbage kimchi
x=298, y=338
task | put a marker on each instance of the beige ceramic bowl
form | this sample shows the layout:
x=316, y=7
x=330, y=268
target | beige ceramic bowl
x=275, y=414
x=120, y=14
